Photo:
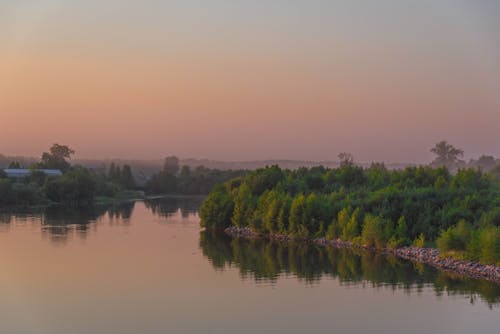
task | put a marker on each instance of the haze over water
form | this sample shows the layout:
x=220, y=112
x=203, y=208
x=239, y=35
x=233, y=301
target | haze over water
x=148, y=268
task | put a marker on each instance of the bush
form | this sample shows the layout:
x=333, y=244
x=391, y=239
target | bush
x=372, y=234
x=217, y=209
x=489, y=245
x=420, y=241
x=351, y=229
x=455, y=238
x=75, y=188
x=331, y=232
x=491, y=217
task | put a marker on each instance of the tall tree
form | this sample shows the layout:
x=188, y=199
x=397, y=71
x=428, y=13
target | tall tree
x=171, y=165
x=446, y=155
x=126, y=177
x=486, y=162
x=346, y=159
x=57, y=158
x=112, y=171
x=15, y=165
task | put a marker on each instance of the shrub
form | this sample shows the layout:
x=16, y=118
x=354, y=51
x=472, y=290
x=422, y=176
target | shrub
x=372, y=234
x=217, y=209
x=332, y=231
x=455, y=238
x=489, y=241
x=419, y=241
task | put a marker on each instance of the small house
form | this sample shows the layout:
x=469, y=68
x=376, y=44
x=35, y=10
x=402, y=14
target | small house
x=22, y=173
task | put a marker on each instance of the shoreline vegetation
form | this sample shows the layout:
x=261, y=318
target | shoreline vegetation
x=77, y=186
x=429, y=256
x=424, y=213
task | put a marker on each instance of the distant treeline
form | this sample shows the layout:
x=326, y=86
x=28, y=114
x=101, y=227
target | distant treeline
x=78, y=186
x=174, y=179
x=81, y=186
x=371, y=206
x=448, y=156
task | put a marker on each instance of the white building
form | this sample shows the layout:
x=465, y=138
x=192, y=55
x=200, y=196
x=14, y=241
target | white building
x=23, y=173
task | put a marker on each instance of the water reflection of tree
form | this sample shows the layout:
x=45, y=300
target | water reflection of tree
x=59, y=223
x=170, y=206
x=266, y=260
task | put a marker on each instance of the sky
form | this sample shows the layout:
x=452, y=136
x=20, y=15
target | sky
x=247, y=80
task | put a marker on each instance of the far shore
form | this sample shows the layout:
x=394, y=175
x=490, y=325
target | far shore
x=429, y=256
x=120, y=198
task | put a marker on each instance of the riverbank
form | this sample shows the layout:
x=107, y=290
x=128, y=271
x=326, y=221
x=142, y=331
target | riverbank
x=125, y=196
x=429, y=256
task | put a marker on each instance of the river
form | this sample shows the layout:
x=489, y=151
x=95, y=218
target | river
x=147, y=267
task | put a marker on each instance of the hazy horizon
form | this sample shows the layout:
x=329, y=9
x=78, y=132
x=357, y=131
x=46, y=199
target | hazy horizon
x=241, y=81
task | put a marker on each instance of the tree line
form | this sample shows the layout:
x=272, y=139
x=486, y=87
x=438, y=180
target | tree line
x=80, y=186
x=176, y=179
x=370, y=206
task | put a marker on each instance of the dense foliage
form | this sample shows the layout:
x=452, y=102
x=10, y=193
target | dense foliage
x=174, y=179
x=77, y=187
x=80, y=186
x=372, y=206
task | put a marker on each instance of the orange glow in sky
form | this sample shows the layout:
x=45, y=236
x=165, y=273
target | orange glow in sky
x=241, y=81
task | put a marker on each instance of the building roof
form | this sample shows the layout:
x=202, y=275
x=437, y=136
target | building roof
x=20, y=173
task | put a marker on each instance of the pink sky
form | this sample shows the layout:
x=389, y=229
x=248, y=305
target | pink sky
x=248, y=81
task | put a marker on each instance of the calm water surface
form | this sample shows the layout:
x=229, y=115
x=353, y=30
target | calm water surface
x=148, y=268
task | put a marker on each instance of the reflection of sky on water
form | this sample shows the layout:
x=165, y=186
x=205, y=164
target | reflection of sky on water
x=127, y=270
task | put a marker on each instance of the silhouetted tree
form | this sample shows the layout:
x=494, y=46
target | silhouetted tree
x=486, y=162
x=126, y=177
x=171, y=165
x=15, y=165
x=446, y=155
x=346, y=159
x=56, y=158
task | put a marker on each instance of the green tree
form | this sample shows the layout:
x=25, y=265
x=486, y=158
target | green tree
x=57, y=158
x=217, y=209
x=372, y=234
x=271, y=212
x=455, y=238
x=351, y=229
x=243, y=206
x=171, y=165
x=284, y=214
x=297, y=215
x=15, y=165
x=343, y=218
x=419, y=241
x=489, y=239
x=113, y=173
x=76, y=188
x=126, y=177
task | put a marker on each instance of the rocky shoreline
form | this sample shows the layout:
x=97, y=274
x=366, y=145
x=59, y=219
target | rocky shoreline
x=429, y=256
